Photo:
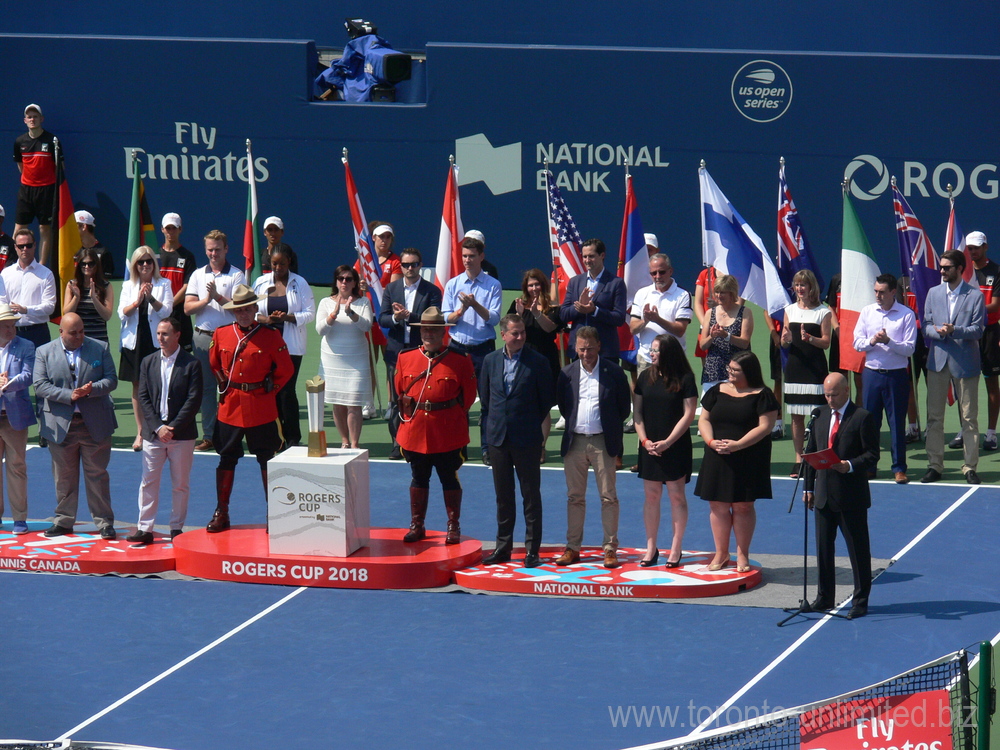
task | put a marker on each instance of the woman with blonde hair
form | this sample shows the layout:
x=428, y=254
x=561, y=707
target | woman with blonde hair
x=146, y=300
x=727, y=329
x=806, y=336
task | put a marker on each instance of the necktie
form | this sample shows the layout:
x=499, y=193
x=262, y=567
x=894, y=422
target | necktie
x=836, y=426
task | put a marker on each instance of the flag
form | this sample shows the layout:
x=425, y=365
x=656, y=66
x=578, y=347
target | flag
x=729, y=244
x=858, y=271
x=140, y=221
x=565, y=239
x=67, y=234
x=793, y=247
x=251, y=243
x=633, y=265
x=449, y=255
x=919, y=261
x=954, y=239
x=371, y=270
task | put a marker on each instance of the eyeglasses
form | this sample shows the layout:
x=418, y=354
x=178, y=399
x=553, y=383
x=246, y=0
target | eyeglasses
x=25, y=246
x=345, y=278
x=733, y=371
x=409, y=265
x=145, y=262
x=943, y=268
x=87, y=264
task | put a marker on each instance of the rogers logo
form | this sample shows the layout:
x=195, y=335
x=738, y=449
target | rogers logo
x=882, y=175
x=981, y=180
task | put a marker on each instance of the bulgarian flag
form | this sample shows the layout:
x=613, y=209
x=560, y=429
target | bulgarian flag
x=67, y=234
x=449, y=254
x=858, y=271
x=140, y=220
x=251, y=247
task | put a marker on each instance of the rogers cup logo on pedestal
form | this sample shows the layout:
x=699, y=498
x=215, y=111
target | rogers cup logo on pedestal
x=762, y=91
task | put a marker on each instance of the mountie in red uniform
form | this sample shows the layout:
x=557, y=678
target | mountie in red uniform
x=251, y=366
x=435, y=394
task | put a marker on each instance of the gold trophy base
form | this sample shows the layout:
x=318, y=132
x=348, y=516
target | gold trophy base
x=317, y=444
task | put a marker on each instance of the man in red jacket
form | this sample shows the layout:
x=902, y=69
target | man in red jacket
x=251, y=364
x=436, y=388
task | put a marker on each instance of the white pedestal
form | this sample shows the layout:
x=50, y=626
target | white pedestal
x=317, y=506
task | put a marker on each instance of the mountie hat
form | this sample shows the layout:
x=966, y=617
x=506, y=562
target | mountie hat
x=432, y=318
x=243, y=296
x=7, y=314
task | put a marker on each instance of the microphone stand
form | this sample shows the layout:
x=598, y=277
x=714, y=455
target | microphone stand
x=804, y=608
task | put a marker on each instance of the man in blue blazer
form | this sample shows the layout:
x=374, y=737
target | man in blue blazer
x=516, y=393
x=595, y=298
x=594, y=398
x=17, y=358
x=73, y=378
x=168, y=428
x=403, y=302
x=954, y=321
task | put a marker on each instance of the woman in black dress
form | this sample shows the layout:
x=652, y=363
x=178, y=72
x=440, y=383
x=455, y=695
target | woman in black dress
x=541, y=325
x=665, y=401
x=736, y=422
x=89, y=295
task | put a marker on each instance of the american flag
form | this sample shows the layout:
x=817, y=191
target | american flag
x=917, y=256
x=793, y=247
x=567, y=244
x=370, y=267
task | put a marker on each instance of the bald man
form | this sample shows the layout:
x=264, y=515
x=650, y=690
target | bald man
x=840, y=495
x=74, y=377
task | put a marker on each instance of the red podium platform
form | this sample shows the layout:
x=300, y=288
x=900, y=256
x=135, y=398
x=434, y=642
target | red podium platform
x=241, y=554
x=83, y=552
x=589, y=577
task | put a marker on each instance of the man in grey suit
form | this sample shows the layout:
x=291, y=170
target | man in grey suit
x=516, y=393
x=74, y=377
x=954, y=320
x=17, y=358
x=170, y=397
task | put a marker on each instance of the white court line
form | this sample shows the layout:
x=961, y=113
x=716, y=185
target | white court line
x=178, y=665
x=788, y=651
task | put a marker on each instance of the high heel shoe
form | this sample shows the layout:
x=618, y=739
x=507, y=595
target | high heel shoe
x=719, y=565
x=743, y=568
x=651, y=562
x=673, y=564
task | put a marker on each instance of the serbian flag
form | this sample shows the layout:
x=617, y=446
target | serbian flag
x=251, y=246
x=449, y=255
x=916, y=254
x=371, y=270
x=858, y=271
x=793, y=247
x=67, y=235
x=954, y=239
x=633, y=266
x=564, y=238
x=140, y=221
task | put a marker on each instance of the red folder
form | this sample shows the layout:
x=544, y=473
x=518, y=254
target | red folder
x=821, y=459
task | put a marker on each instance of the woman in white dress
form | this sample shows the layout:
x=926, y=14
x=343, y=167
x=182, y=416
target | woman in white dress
x=342, y=320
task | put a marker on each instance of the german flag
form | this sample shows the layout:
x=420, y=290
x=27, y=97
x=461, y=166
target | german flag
x=141, y=230
x=68, y=240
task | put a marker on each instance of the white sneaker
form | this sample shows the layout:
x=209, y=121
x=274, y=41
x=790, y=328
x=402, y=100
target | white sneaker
x=368, y=411
x=561, y=424
x=629, y=427
x=778, y=432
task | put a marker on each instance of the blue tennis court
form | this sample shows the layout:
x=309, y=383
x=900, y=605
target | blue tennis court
x=190, y=664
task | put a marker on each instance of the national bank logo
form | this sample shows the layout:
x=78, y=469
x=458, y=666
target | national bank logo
x=762, y=91
x=480, y=161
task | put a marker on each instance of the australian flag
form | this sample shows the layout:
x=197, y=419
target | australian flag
x=564, y=238
x=916, y=255
x=793, y=248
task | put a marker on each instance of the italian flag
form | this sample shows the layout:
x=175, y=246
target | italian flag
x=858, y=271
x=251, y=248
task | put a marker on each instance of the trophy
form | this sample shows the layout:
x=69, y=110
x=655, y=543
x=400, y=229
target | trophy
x=315, y=389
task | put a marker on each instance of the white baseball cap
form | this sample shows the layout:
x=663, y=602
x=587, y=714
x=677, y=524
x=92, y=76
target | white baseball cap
x=975, y=238
x=85, y=217
x=2, y=212
x=35, y=107
x=651, y=240
x=171, y=220
x=475, y=234
x=274, y=221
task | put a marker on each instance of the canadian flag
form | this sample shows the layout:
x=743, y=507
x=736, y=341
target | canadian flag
x=449, y=255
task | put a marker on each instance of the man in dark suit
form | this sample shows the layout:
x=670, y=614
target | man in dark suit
x=403, y=302
x=840, y=494
x=74, y=377
x=595, y=298
x=168, y=428
x=516, y=394
x=594, y=398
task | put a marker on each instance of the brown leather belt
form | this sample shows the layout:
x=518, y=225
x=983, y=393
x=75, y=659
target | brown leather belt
x=247, y=387
x=436, y=405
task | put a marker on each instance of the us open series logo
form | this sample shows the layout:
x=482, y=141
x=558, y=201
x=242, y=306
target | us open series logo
x=762, y=91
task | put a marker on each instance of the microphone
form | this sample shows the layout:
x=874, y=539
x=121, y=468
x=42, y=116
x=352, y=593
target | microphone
x=809, y=427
